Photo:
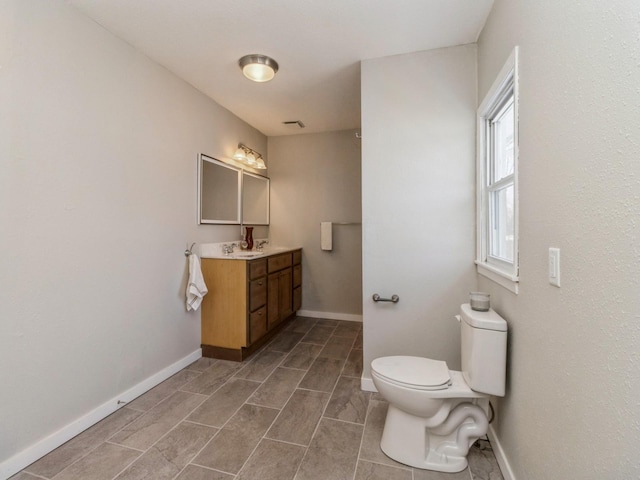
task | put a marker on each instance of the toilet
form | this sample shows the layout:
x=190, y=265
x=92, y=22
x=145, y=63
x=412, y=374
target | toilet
x=436, y=414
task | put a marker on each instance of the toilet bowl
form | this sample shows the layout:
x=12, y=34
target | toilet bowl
x=415, y=432
x=436, y=414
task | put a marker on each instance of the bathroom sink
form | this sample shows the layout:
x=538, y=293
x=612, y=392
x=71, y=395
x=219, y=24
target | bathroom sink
x=271, y=250
x=246, y=254
x=216, y=250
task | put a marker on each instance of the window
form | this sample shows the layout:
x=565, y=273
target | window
x=497, y=179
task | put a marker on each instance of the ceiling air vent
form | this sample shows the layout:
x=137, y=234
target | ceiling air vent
x=294, y=123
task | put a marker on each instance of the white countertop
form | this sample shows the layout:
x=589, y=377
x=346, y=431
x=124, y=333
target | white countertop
x=214, y=250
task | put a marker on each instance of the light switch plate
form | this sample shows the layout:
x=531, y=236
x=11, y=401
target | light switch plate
x=554, y=266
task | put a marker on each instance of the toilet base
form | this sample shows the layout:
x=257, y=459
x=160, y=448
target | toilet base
x=444, y=448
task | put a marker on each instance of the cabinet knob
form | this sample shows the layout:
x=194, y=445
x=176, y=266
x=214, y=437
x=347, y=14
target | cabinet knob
x=260, y=283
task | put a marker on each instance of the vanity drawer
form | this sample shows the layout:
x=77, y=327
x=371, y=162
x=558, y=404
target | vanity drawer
x=257, y=268
x=297, y=257
x=278, y=262
x=257, y=294
x=257, y=324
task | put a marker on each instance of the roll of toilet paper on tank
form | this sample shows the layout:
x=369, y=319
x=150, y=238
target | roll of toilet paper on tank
x=326, y=237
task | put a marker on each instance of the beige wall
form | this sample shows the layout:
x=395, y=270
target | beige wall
x=571, y=409
x=418, y=197
x=98, y=149
x=316, y=178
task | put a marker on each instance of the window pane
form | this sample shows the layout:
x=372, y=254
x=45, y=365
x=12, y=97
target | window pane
x=503, y=143
x=501, y=238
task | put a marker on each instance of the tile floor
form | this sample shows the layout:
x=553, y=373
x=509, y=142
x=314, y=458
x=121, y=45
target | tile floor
x=293, y=411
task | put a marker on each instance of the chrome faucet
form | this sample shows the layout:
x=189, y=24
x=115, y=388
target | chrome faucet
x=227, y=248
x=260, y=244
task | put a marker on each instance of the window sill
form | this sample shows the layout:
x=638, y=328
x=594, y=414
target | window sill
x=502, y=278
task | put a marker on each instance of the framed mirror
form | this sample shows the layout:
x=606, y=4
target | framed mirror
x=219, y=192
x=255, y=199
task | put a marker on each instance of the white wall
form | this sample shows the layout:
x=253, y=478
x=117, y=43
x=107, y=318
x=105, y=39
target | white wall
x=97, y=203
x=418, y=127
x=316, y=178
x=571, y=409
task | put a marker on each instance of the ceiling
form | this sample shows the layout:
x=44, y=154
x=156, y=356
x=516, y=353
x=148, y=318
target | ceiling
x=317, y=43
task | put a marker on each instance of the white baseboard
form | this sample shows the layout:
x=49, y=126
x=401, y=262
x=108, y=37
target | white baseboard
x=30, y=454
x=349, y=317
x=367, y=385
x=503, y=463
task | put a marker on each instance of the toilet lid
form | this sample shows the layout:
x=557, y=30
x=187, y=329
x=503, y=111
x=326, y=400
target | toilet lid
x=416, y=372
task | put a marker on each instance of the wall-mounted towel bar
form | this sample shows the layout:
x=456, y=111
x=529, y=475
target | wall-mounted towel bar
x=346, y=223
x=377, y=298
x=189, y=251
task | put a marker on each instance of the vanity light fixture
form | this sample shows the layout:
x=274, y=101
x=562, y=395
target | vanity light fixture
x=249, y=157
x=260, y=163
x=258, y=68
x=241, y=154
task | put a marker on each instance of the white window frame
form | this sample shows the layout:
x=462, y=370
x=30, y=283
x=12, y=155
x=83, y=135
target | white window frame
x=501, y=272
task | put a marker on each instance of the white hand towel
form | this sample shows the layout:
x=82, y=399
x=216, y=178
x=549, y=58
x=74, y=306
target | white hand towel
x=196, y=288
x=326, y=237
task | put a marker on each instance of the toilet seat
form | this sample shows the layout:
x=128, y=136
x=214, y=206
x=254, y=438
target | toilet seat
x=413, y=372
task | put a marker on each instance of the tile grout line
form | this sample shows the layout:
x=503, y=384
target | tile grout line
x=264, y=436
x=364, y=426
x=108, y=442
x=316, y=429
x=246, y=402
x=217, y=433
x=26, y=469
x=292, y=368
x=158, y=403
x=213, y=469
x=306, y=452
x=128, y=465
x=32, y=474
x=163, y=436
x=200, y=466
x=177, y=423
x=375, y=462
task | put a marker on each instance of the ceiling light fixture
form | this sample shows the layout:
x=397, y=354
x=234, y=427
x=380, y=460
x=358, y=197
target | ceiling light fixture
x=258, y=68
x=249, y=157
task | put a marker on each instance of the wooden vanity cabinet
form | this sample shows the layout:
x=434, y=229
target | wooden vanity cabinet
x=248, y=302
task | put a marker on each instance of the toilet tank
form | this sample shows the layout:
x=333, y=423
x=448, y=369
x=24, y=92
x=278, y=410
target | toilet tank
x=484, y=350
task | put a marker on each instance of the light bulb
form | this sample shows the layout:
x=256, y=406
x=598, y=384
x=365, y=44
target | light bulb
x=258, y=72
x=240, y=155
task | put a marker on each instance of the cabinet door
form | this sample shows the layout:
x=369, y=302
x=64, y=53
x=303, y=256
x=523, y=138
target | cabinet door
x=257, y=293
x=273, y=299
x=286, y=293
x=297, y=275
x=258, y=320
x=297, y=281
x=297, y=298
